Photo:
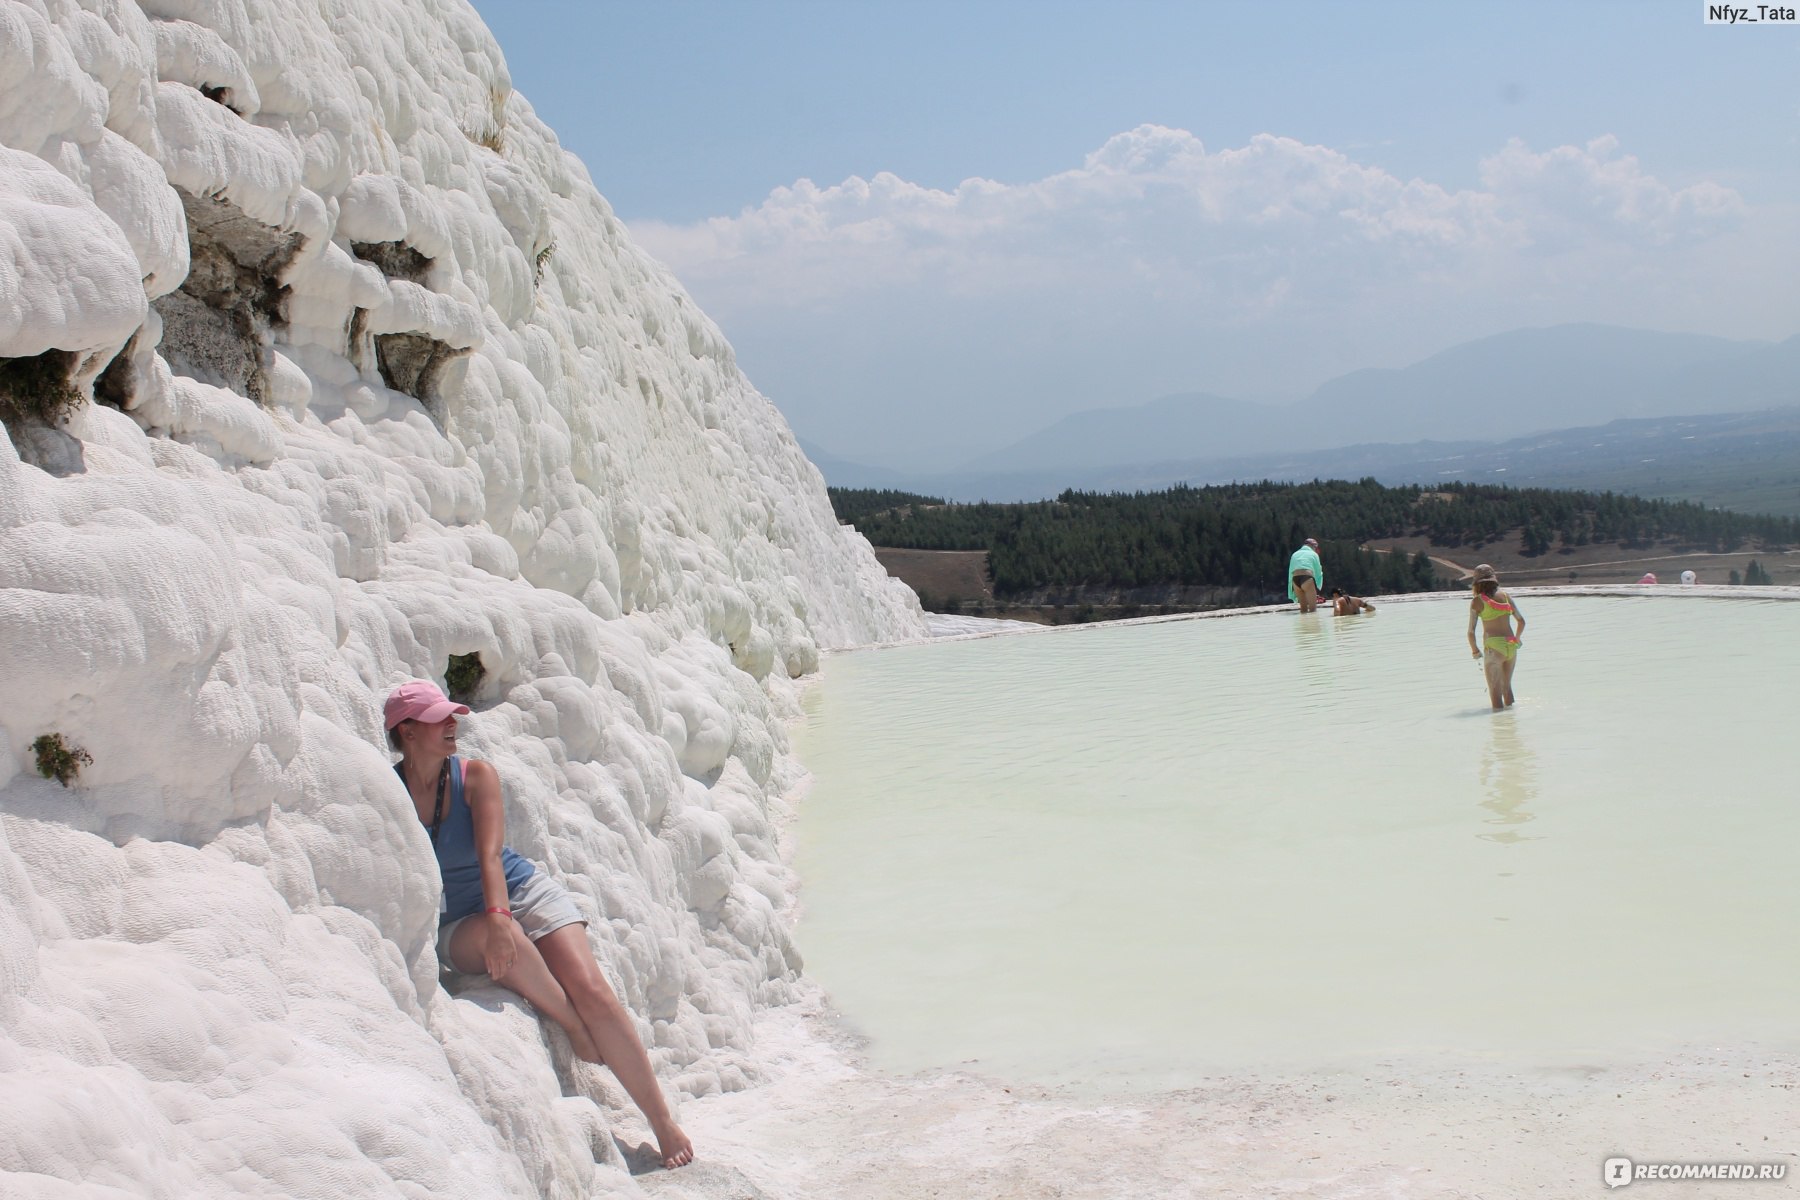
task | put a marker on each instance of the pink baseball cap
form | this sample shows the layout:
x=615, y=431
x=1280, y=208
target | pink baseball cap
x=420, y=700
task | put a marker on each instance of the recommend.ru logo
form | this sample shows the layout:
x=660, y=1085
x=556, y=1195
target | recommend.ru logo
x=1617, y=1172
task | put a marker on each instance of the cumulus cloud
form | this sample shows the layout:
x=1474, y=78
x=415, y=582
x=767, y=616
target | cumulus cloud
x=1593, y=192
x=1258, y=268
x=1153, y=207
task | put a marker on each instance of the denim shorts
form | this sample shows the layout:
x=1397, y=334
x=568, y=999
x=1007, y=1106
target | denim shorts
x=540, y=905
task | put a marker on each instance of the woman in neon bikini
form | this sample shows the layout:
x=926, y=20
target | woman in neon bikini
x=502, y=916
x=1499, y=648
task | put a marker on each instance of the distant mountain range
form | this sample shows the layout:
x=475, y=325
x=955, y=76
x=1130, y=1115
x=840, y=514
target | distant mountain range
x=1474, y=411
x=1189, y=425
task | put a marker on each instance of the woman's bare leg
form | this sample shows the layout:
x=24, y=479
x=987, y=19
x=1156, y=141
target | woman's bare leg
x=570, y=959
x=1493, y=666
x=529, y=977
x=1506, y=679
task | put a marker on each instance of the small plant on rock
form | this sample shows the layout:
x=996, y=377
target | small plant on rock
x=58, y=760
x=489, y=135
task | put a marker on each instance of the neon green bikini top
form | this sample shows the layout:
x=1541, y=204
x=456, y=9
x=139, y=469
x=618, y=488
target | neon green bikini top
x=1491, y=608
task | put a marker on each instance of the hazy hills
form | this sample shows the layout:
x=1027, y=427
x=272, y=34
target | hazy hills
x=1614, y=402
x=1497, y=387
x=1553, y=378
x=1185, y=425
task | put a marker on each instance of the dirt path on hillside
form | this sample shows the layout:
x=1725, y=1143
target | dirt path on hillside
x=1597, y=564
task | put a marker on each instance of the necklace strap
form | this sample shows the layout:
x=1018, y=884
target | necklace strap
x=443, y=785
x=437, y=811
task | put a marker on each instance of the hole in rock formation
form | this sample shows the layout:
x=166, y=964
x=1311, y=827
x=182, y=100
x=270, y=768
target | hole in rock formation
x=216, y=325
x=219, y=95
x=415, y=364
x=463, y=676
x=357, y=344
x=396, y=260
x=117, y=385
x=38, y=389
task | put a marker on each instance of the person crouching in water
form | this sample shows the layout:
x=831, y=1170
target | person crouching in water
x=502, y=916
x=1499, y=649
x=1346, y=605
x=1306, y=576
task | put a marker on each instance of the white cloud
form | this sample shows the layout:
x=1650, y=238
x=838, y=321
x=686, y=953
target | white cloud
x=1576, y=194
x=1259, y=268
x=1154, y=206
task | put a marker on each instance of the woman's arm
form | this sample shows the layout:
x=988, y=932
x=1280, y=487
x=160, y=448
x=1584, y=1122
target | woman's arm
x=1474, y=615
x=1518, y=619
x=481, y=790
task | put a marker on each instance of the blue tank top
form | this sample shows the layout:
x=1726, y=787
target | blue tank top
x=457, y=861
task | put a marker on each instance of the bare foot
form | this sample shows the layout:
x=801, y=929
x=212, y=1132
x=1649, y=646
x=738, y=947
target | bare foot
x=677, y=1150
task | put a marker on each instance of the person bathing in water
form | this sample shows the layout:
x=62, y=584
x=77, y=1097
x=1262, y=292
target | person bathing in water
x=502, y=916
x=1345, y=605
x=1305, y=576
x=1499, y=648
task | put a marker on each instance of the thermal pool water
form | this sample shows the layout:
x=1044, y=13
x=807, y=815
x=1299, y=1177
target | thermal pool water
x=1134, y=855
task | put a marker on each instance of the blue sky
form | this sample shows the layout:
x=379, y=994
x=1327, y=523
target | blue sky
x=1425, y=173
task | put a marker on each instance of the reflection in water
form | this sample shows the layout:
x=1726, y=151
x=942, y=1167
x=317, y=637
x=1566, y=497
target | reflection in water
x=1314, y=660
x=1509, y=777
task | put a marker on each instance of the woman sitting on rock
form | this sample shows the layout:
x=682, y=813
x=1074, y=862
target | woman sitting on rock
x=503, y=917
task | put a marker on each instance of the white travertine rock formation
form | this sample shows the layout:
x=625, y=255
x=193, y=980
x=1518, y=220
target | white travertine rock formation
x=321, y=362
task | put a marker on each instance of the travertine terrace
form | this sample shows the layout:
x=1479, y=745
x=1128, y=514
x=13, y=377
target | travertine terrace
x=322, y=362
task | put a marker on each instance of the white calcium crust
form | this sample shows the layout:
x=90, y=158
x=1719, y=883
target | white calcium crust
x=216, y=965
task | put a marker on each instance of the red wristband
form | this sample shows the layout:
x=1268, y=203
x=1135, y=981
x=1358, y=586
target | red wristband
x=505, y=912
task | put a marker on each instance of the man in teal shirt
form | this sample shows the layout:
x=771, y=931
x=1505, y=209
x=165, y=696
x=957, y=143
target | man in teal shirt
x=1306, y=575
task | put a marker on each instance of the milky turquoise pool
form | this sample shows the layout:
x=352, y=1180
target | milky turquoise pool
x=1141, y=854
